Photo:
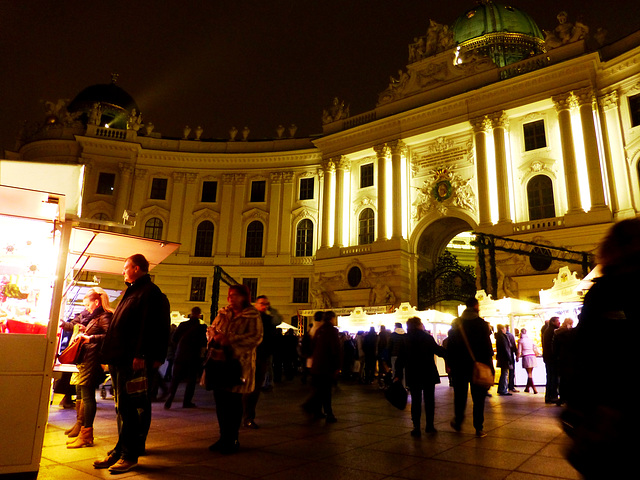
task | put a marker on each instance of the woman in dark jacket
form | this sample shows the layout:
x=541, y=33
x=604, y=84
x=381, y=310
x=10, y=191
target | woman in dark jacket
x=416, y=358
x=90, y=373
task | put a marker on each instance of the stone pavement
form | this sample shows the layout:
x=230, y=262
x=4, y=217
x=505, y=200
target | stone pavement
x=370, y=441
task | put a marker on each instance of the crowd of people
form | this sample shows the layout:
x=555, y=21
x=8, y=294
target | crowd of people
x=243, y=353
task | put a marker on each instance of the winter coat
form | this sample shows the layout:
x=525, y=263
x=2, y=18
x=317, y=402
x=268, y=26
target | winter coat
x=140, y=326
x=327, y=351
x=190, y=338
x=416, y=357
x=479, y=335
x=244, y=332
x=89, y=369
x=504, y=355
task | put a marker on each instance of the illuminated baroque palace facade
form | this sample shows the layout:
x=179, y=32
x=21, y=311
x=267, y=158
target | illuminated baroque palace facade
x=492, y=127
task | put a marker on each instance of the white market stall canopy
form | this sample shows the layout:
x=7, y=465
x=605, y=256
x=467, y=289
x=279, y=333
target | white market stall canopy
x=505, y=307
x=566, y=288
x=359, y=319
x=105, y=252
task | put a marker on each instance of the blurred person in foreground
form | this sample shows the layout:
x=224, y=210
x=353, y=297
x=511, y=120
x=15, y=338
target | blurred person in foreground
x=603, y=422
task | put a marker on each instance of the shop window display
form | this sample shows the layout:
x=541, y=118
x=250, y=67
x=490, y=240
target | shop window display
x=27, y=267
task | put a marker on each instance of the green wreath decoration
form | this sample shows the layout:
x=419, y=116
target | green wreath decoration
x=442, y=190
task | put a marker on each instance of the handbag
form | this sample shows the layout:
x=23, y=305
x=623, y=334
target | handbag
x=137, y=385
x=222, y=369
x=397, y=395
x=482, y=374
x=71, y=354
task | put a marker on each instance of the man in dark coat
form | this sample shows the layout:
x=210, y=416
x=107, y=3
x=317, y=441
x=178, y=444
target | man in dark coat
x=416, y=357
x=478, y=334
x=505, y=360
x=190, y=338
x=550, y=361
x=134, y=348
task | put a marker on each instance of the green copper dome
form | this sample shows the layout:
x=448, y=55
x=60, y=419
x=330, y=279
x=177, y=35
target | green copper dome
x=504, y=33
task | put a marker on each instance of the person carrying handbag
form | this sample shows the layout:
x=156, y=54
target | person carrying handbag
x=469, y=342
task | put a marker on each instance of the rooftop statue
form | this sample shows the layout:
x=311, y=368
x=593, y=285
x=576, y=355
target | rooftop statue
x=565, y=32
x=438, y=39
x=134, y=122
x=337, y=111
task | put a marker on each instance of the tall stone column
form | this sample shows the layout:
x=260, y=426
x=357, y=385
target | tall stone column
x=236, y=245
x=381, y=154
x=342, y=164
x=329, y=170
x=288, y=195
x=187, y=227
x=500, y=123
x=480, y=127
x=563, y=108
x=275, y=213
x=585, y=99
x=140, y=193
x=397, y=148
x=615, y=157
x=124, y=191
x=176, y=209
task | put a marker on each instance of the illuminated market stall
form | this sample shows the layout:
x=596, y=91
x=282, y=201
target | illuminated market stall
x=41, y=255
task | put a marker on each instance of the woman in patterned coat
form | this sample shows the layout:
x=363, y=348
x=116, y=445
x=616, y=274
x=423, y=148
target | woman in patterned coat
x=238, y=328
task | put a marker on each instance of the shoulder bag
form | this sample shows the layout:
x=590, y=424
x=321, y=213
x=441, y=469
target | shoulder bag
x=221, y=369
x=71, y=354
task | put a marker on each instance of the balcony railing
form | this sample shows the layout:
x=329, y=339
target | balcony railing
x=536, y=225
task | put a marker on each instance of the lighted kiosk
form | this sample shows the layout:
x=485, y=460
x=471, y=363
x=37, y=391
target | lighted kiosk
x=39, y=252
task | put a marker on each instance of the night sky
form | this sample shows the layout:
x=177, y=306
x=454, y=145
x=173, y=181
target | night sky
x=218, y=64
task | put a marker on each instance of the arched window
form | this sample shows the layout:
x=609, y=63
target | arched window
x=100, y=216
x=153, y=229
x=366, y=227
x=204, y=239
x=304, y=238
x=255, y=234
x=540, y=198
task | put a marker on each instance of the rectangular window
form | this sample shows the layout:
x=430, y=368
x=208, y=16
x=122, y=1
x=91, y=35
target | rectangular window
x=106, y=183
x=198, y=289
x=252, y=285
x=158, y=189
x=366, y=175
x=209, y=192
x=258, y=189
x=306, y=188
x=534, y=135
x=634, y=108
x=301, y=290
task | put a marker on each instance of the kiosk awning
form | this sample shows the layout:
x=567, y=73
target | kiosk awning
x=105, y=252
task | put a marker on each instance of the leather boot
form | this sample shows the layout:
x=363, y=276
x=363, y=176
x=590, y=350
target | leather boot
x=75, y=428
x=84, y=439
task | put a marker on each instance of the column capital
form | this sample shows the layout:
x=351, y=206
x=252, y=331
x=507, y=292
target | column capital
x=584, y=96
x=609, y=101
x=191, y=177
x=275, y=177
x=381, y=150
x=178, y=176
x=328, y=165
x=480, y=124
x=397, y=147
x=125, y=168
x=499, y=119
x=341, y=162
x=140, y=173
x=564, y=101
x=287, y=177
